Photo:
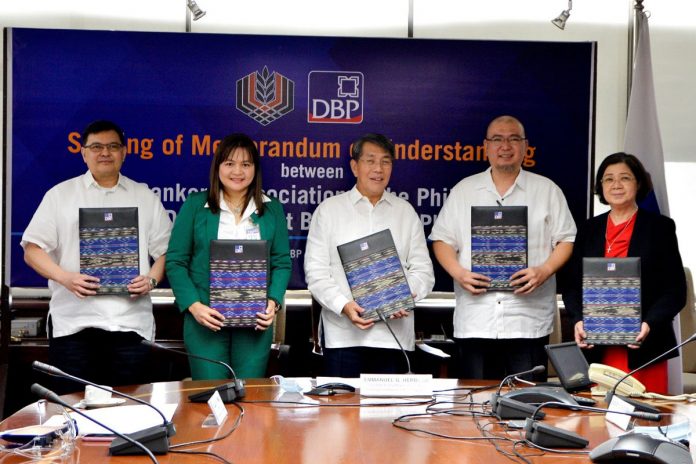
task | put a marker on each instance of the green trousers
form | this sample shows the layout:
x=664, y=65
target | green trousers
x=246, y=350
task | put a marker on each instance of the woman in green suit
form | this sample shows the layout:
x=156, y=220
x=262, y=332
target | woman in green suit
x=234, y=207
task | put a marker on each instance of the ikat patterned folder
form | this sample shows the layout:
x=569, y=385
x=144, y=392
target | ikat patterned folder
x=238, y=280
x=375, y=275
x=498, y=243
x=109, y=247
x=611, y=300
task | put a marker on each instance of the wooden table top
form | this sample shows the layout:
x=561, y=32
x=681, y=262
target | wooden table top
x=339, y=429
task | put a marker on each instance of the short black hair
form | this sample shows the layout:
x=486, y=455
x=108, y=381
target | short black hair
x=642, y=176
x=377, y=139
x=103, y=125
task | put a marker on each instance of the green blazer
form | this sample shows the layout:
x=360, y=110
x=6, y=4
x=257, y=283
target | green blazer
x=188, y=256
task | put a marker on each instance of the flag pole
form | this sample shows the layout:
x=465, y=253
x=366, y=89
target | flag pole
x=633, y=37
x=642, y=138
x=637, y=12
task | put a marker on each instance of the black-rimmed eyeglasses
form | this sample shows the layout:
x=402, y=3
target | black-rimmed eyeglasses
x=99, y=147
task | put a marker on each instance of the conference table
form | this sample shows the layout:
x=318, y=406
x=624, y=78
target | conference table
x=344, y=428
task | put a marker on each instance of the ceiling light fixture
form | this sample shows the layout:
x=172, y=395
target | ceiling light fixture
x=560, y=20
x=195, y=9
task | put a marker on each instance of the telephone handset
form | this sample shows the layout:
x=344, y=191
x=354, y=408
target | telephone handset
x=607, y=376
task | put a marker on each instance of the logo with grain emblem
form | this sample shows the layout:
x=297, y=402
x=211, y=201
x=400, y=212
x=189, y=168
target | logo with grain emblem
x=265, y=96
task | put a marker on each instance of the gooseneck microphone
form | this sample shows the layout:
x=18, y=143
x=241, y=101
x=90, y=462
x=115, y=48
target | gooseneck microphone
x=548, y=436
x=535, y=370
x=147, y=435
x=637, y=414
x=228, y=391
x=145, y=447
x=54, y=371
x=639, y=405
x=384, y=319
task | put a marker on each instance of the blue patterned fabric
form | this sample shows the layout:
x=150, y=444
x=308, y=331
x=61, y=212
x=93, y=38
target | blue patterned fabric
x=498, y=251
x=111, y=254
x=238, y=280
x=611, y=309
x=377, y=281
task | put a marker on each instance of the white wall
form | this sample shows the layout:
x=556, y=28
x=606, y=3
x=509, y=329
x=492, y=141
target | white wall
x=673, y=35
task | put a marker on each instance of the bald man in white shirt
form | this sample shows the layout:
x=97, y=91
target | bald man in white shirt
x=501, y=333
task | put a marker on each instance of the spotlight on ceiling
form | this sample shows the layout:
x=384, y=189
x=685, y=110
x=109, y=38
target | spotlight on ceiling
x=195, y=9
x=560, y=20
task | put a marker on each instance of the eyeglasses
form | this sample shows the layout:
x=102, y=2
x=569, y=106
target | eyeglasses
x=384, y=162
x=512, y=140
x=609, y=180
x=99, y=147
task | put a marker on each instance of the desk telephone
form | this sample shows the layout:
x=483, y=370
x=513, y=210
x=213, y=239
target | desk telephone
x=607, y=376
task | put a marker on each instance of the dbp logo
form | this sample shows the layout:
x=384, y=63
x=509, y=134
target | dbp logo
x=335, y=97
x=264, y=96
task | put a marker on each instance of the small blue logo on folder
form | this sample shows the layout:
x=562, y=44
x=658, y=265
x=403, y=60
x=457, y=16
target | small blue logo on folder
x=108, y=217
x=364, y=246
x=239, y=248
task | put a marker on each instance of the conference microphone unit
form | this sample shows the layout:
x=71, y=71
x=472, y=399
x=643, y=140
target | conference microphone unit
x=54, y=371
x=495, y=396
x=228, y=391
x=640, y=406
x=508, y=408
x=384, y=319
x=548, y=436
x=149, y=445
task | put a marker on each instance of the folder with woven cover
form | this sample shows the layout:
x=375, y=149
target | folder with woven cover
x=375, y=275
x=239, y=280
x=498, y=243
x=109, y=247
x=611, y=300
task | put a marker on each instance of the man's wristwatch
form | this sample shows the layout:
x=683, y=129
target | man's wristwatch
x=153, y=282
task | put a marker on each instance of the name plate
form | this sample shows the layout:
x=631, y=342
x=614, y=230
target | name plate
x=396, y=385
x=218, y=409
x=620, y=420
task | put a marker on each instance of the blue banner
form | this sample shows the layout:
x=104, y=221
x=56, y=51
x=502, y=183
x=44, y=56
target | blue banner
x=303, y=100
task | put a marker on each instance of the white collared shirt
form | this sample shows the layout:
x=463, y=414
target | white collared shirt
x=55, y=228
x=246, y=229
x=503, y=314
x=347, y=217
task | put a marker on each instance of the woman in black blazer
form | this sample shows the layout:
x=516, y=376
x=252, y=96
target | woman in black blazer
x=627, y=230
